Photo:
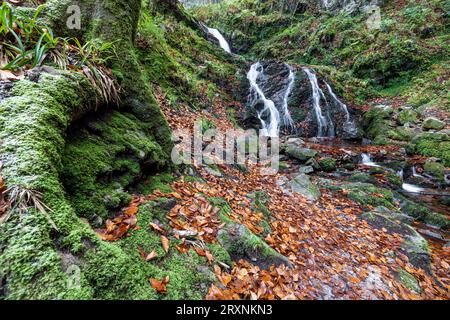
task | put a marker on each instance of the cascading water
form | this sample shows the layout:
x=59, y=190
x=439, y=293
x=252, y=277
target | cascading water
x=287, y=120
x=270, y=127
x=318, y=95
x=367, y=161
x=349, y=125
x=412, y=188
x=223, y=43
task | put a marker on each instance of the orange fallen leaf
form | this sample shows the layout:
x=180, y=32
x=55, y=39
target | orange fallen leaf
x=160, y=286
x=165, y=243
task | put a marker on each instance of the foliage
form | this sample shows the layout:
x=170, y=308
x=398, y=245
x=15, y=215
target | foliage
x=26, y=43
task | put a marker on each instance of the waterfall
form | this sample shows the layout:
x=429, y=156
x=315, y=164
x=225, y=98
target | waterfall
x=412, y=188
x=223, y=43
x=367, y=161
x=349, y=125
x=271, y=127
x=287, y=119
x=318, y=95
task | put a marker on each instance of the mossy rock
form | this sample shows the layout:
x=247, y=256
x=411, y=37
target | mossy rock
x=328, y=164
x=422, y=213
x=241, y=243
x=369, y=194
x=394, y=180
x=407, y=116
x=303, y=185
x=435, y=169
x=432, y=145
x=432, y=123
x=408, y=280
x=415, y=247
x=302, y=154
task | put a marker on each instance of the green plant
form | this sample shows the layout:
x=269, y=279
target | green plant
x=26, y=43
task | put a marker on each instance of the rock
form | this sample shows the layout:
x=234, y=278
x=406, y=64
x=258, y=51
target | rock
x=435, y=169
x=415, y=247
x=348, y=6
x=408, y=280
x=431, y=144
x=306, y=169
x=394, y=215
x=240, y=243
x=432, y=123
x=302, y=154
x=424, y=214
x=295, y=142
x=362, y=177
x=328, y=164
x=301, y=184
x=431, y=234
x=407, y=116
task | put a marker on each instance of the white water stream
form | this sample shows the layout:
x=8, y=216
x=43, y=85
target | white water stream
x=271, y=126
x=223, y=43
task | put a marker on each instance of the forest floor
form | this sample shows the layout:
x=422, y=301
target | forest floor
x=334, y=253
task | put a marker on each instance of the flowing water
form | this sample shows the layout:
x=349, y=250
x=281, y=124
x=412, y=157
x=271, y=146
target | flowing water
x=286, y=115
x=367, y=160
x=324, y=127
x=349, y=125
x=223, y=43
x=270, y=126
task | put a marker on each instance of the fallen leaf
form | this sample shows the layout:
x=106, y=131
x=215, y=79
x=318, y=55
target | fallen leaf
x=165, y=243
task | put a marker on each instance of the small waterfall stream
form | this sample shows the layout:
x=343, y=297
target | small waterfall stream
x=324, y=127
x=223, y=43
x=270, y=127
x=349, y=125
x=367, y=160
x=288, y=122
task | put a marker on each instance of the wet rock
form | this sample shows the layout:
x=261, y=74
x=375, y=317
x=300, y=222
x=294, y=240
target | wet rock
x=306, y=169
x=432, y=123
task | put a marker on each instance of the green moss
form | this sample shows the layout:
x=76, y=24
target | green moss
x=161, y=182
x=376, y=125
x=400, y=134
x=408, y=281
x=103, y=157
x=436, y=169
x=368, y=194
x=394, y=179
x=328, y=164
x=432, y=145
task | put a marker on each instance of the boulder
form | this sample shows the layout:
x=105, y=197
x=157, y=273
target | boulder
x=302, y=154
x=348, y=6
x=415, y=247
x=241, y=243
x=300, y=184
x=328, y=164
